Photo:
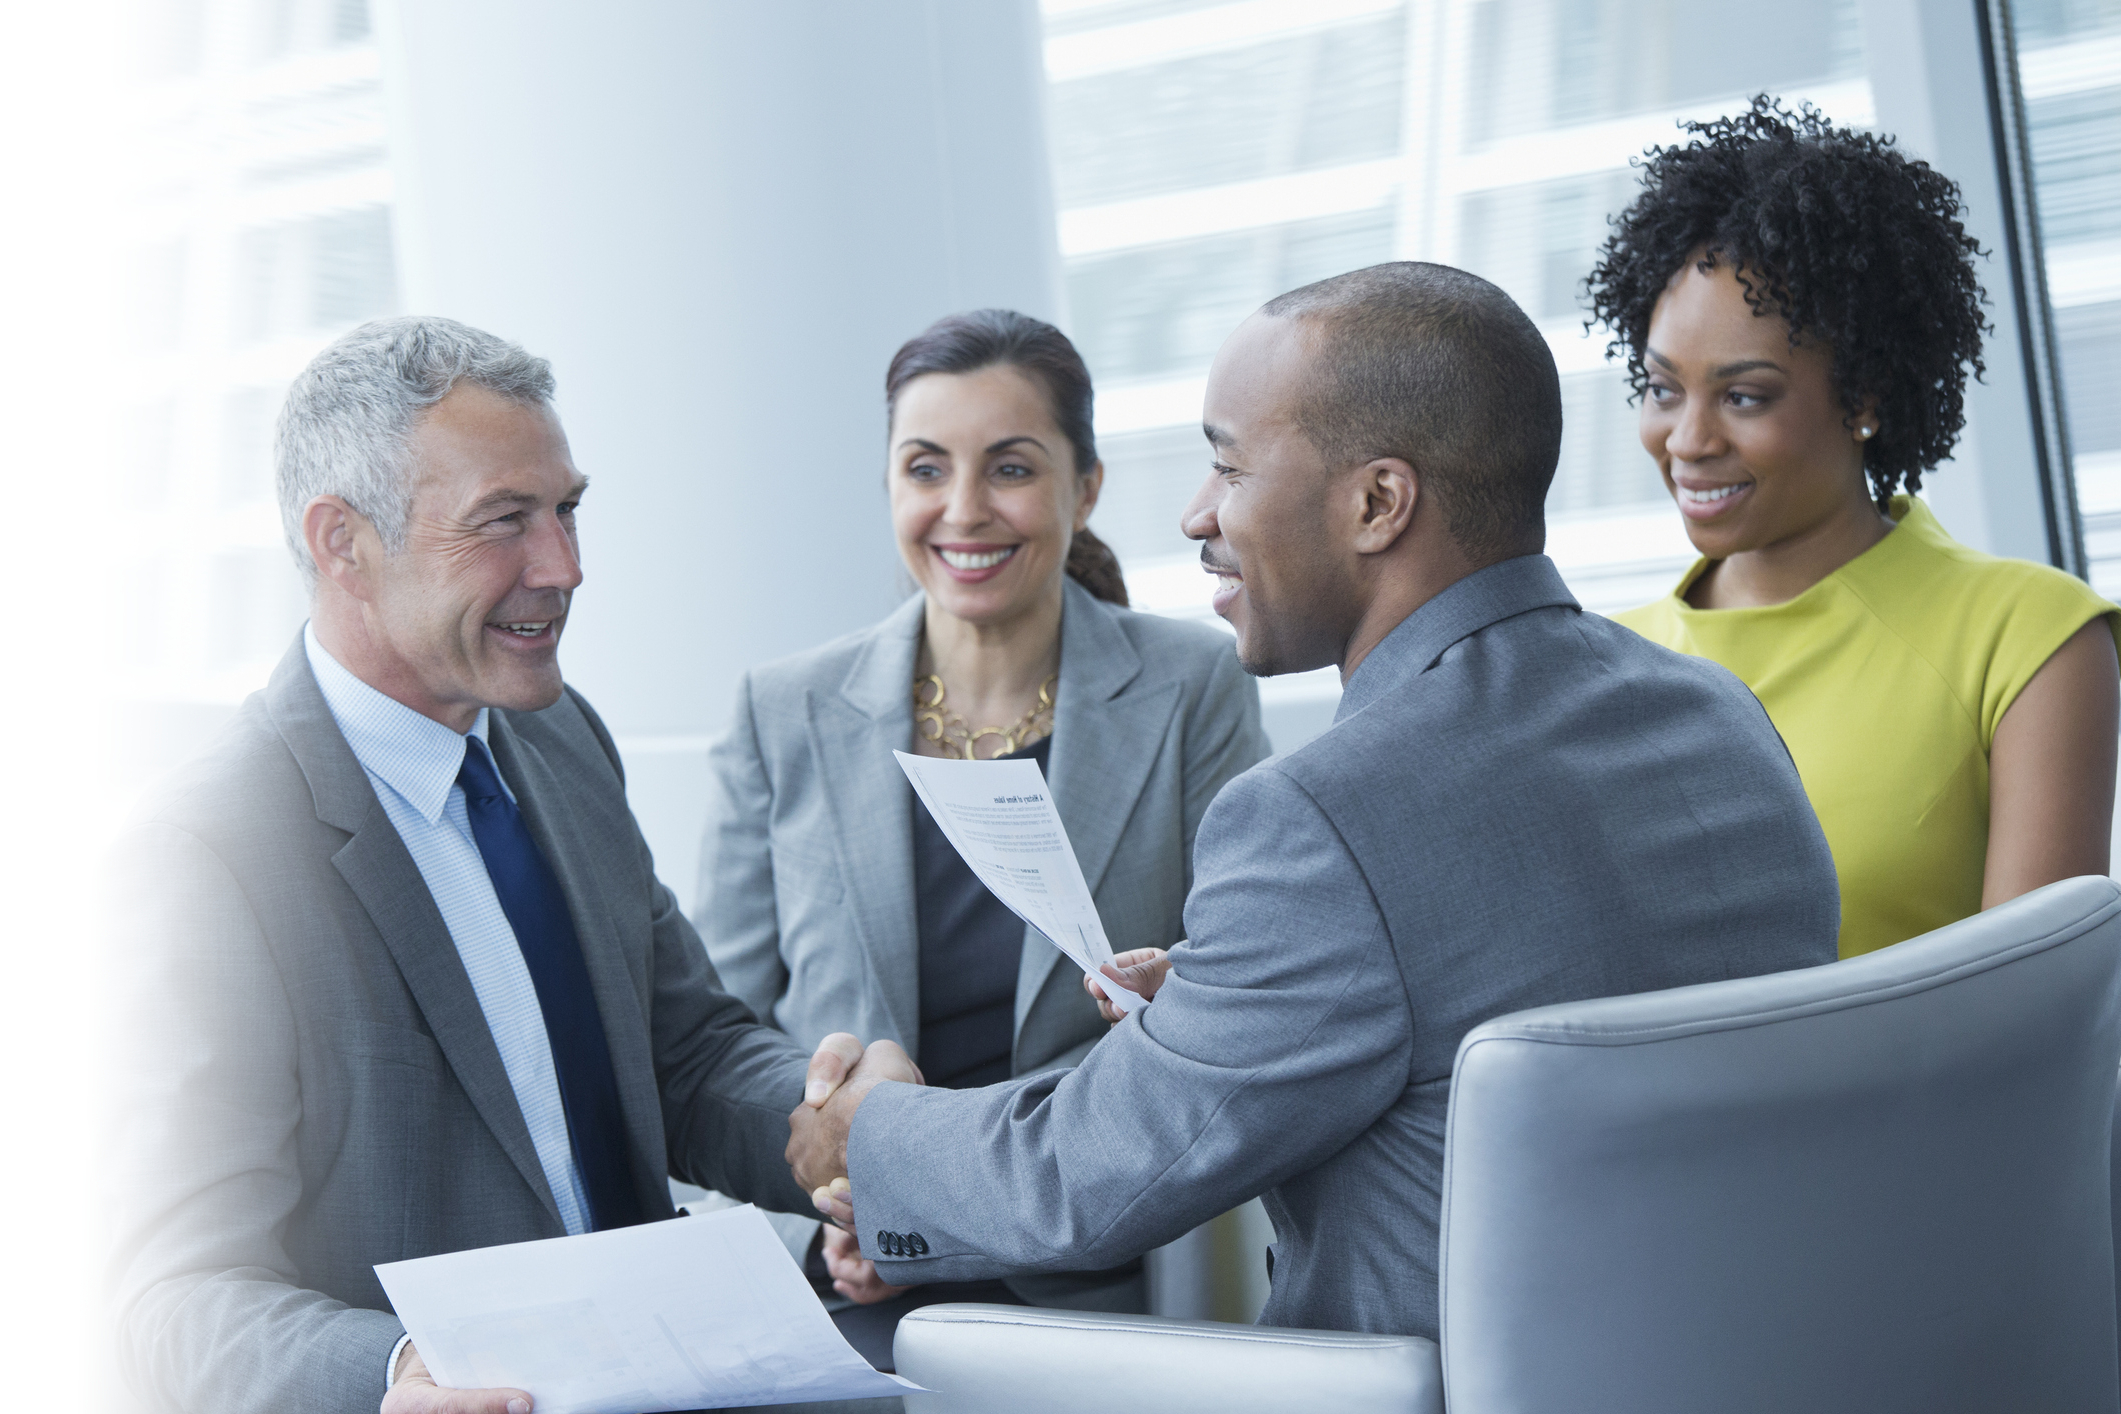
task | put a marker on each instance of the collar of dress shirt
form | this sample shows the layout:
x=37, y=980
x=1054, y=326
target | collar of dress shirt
x=414, y=755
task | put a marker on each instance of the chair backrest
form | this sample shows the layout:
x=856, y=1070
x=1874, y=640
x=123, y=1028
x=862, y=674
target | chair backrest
x=1876, y=1185
x=2116, y=1161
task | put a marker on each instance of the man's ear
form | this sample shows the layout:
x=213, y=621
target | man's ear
x=1390, y=489
x=343, y=544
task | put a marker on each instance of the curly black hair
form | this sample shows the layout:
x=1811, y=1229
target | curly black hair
x=1850, y=241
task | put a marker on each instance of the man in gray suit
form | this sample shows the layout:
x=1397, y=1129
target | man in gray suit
x=399, y=970
x=1517, y=804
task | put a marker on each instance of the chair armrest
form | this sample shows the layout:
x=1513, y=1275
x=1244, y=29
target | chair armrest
x=1029, y=1360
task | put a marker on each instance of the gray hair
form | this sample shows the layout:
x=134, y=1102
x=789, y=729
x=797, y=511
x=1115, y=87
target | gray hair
x=346, y=427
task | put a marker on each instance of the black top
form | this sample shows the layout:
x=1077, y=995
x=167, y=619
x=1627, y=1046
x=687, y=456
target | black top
x=971, y=945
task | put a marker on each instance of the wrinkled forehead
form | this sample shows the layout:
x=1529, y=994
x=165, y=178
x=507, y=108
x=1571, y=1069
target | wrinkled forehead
x=475, y=444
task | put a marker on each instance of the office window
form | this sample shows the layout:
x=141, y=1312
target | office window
x=1543, y=65
x=2069, y=73
x=1163, y=309
x=247, y=417
x=145, y=435
x=1130, y=122
x=255, y=604
x=277, y=28
x=1208, y=156
x=324, y=272
x=154, y=295
x=261, y=215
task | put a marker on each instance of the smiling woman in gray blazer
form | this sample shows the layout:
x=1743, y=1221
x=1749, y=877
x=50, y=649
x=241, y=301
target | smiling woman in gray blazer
x=829, y=900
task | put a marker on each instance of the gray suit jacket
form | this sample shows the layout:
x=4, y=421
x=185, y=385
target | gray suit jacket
x=806, y=897
x=1517, y=804
x=315, y=1089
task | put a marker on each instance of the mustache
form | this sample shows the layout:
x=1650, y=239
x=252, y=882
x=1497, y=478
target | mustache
x=529, y=609
x=1215, y=564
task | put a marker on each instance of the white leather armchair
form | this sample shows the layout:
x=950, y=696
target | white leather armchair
x=1874, y=1186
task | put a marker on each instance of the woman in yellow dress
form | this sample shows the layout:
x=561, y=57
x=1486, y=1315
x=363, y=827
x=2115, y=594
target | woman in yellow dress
x=1798, y=307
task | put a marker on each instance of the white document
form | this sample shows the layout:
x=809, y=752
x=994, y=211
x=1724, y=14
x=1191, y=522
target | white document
x=1000, y=817
x=696, y=1313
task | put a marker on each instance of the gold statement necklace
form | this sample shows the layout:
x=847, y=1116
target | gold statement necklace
x=934, y=720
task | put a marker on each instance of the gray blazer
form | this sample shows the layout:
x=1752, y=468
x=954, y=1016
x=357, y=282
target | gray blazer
x=806, y=896
x=315, y=1089
x=1518, y=803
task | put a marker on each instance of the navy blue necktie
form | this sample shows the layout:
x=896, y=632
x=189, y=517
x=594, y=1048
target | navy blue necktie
x=581, y=1059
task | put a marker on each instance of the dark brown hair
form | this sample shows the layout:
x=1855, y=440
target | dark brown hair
x=966, y=343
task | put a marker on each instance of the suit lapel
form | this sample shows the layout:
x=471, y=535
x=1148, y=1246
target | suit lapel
x=581, y=838
x=852, y=734
x=1107, y=734
x=382, y=875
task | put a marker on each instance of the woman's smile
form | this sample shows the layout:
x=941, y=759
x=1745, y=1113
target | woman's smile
x=1708, y=500
x=973, y=564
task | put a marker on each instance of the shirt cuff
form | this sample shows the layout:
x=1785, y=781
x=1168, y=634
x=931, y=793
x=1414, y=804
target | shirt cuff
x=390, y=1366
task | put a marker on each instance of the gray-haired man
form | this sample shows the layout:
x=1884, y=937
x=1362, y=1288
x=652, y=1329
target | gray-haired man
x=401, y=974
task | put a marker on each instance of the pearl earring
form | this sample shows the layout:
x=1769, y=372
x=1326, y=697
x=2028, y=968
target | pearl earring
x=1863, y=433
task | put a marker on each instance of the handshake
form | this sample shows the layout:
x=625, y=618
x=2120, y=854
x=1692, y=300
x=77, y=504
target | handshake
x=842, y=1073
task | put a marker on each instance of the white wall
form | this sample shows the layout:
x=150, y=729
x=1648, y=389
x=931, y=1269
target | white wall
x=718, y=221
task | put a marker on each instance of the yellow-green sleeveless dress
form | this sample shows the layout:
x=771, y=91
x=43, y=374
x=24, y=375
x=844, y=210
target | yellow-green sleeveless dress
x=1887, y=679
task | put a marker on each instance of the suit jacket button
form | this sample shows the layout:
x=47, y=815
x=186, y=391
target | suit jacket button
x=918, y=1243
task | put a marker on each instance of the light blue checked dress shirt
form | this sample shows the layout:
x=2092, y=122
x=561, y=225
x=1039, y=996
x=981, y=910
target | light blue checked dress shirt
x=413, y=761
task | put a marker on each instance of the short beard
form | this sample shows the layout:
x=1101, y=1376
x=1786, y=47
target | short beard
x=1316, y=602
x=1290, y=643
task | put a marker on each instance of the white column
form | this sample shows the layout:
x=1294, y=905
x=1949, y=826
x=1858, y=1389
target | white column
x=1926, y=78
x=718, y=220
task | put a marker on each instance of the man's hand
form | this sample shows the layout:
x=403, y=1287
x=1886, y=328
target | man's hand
x=835, y=1204
x=414, y=1391
x=853, y=1275
x=1140, y=972
x=817, y=1130
x=835, y=1056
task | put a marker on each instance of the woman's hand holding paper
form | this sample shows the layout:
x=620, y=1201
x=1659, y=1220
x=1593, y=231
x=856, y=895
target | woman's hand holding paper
x=1141, y=972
